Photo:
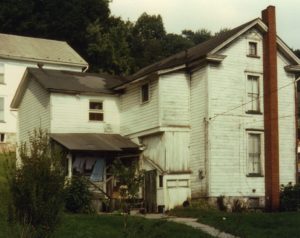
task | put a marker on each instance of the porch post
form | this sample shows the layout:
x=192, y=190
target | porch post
x=69, y=157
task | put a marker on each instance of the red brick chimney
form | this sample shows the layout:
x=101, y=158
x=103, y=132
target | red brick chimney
x=271, y=111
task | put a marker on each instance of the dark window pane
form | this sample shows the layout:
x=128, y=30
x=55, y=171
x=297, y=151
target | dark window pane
x=145, y=92
x=95, y=116
x=96, y=105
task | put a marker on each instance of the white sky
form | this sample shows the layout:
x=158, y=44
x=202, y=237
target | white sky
x=214, y=14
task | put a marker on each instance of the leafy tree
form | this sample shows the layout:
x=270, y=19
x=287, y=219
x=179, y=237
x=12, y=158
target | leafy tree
x=198, y=36
x=37, y=187
x=174, y=43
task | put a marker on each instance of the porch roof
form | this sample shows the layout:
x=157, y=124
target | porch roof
x=93, y=142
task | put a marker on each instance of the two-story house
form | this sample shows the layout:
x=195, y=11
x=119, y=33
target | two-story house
x=17, y=53
x=218, y=119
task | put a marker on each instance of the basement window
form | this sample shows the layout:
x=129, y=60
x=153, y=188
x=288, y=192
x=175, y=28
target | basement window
x=145, y=93
x=252, y=49
x=2, y=137
x=254, y=162
x=96, y=111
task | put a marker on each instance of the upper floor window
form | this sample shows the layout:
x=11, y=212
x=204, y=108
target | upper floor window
x=252, y=49
x=96, y=111
x=253, y=104
x=1, y=73
x=254, y=154
x=145, y=93
x=1, y=109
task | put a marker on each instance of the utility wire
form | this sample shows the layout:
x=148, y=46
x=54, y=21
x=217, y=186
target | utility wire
x=243, y=104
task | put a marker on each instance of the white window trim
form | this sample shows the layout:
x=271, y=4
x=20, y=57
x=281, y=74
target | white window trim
x=96, y=111
x=262, y=152
x=141, y=93
x=260, y=94
x=257, y=48
x=2, y=72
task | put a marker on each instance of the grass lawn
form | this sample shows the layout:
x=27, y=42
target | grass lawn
x=252, y=224
x=110, y=226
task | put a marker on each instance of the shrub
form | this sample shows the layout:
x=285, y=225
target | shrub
x=78, y=196
x=221, y=203
x=36, y=187
x=290, y=197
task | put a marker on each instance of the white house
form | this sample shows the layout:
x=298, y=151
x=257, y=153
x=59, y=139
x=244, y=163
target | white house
x=215, y=120
x=17, y=53
x=81, y=113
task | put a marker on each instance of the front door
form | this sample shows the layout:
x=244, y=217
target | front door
x=150, y=191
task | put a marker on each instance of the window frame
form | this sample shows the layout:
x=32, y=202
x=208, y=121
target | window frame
x=96, y=111
x=2, y=73
x=142, y=93
x=259, y=133
x=4, y=138
x=255, y=44
x=2, y=120
x=250, y=99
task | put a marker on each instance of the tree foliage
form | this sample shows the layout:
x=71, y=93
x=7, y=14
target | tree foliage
x=37, y=187
x=108, y=43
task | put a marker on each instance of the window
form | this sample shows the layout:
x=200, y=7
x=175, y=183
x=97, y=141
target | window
x=145, y=92
x=96, y=111
x=252, y=49
x=253, y=94
x=1, y=73
x=2, y=138
x=1, y=109
x=254, y=154
x=161, y=181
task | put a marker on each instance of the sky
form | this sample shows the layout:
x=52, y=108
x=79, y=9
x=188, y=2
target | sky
x=214, y=14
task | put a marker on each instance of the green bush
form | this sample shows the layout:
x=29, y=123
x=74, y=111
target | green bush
x=78, y=197
x=290, y=197
x=36, y=187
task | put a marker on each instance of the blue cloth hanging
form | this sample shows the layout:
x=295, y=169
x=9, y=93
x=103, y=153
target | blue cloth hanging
x=98, y=171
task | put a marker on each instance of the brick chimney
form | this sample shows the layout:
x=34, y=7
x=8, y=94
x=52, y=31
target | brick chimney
x=271, y=111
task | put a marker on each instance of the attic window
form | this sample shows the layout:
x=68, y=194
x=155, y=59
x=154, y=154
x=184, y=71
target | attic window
x=96, y=111
x=1, y=73
x=145, y=93
x=252, y=49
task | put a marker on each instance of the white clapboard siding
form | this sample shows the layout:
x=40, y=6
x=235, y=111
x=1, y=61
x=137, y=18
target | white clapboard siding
x=197, y=135
x=70, y=114
x=228, y=128
x=287, y=124
x=174, y=94
x=34, y=112
x=135, y=115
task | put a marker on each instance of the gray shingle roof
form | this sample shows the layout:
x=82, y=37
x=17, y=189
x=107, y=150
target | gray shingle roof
x=74, y=82
x=192, y=54
x=39, y=50
x=94, y=142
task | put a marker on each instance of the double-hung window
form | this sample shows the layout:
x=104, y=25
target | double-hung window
x=254, y=154
x=252, y=49
x=253, y=104
x=96, y=111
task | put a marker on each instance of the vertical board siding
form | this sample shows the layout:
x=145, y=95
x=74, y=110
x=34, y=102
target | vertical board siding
x=34, y=112
x=174, y=91
x=287, y=124
x=177, y=150
x=70, y=114
x=197, y=135
x=137, y=116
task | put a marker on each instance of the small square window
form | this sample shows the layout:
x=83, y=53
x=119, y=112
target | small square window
x=96, y=111
x=145, y=92
x=252, y=48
